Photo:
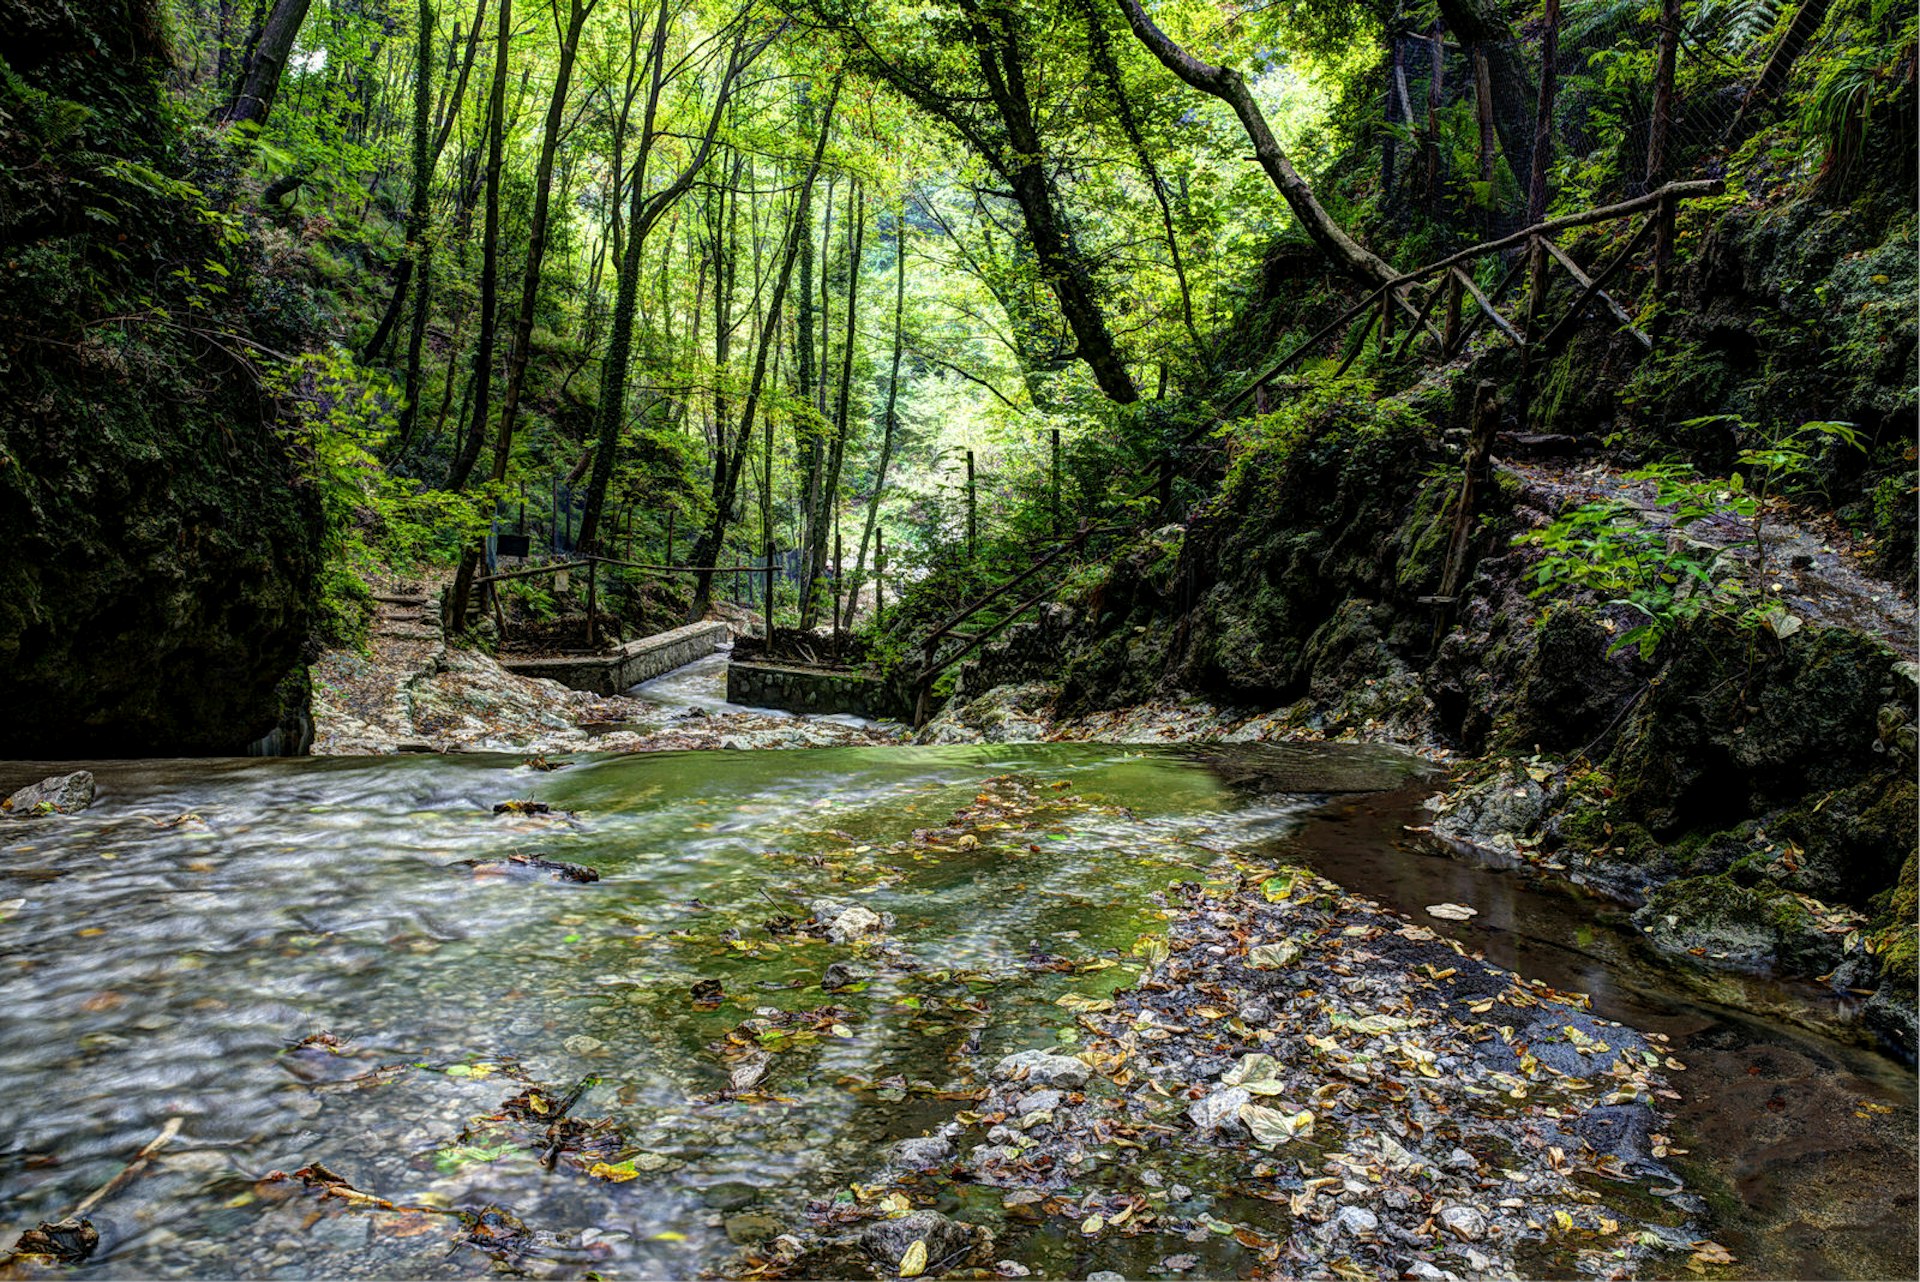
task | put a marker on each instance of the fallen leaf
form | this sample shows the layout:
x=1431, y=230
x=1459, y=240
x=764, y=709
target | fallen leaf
x=1452, y=912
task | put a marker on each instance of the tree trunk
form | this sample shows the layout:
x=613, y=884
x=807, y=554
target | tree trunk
x=1061, y=264
x=1806, y=23
x=714, y=538
x=887, y=420
x=826, y=504
x=1667, y=58
x=1480, y=24
x=489, y=271
x=643, y=212
x=261, y=82
x=1227, y=85
x=1108, y=67
x=489, y=307
x=422, y=176
x=1543, y=117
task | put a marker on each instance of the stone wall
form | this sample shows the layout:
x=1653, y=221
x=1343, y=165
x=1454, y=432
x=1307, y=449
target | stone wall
x=634, y=662
x=815, y=690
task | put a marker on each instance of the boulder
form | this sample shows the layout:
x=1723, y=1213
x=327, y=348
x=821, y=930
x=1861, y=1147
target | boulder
x=67, y=794
x=846, y=923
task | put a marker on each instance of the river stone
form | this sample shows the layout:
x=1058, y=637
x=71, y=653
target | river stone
x=1219, y=1110
x=948, y=1241
x=1106, y=1275
x=845, y=923
x=1624, y=1130
x=1039, y=1102
x=1553, y=1046
x=1042, y=1068
x=1511, y=804
x=921, y=1154
x=1464, y=1222
x=749, y=1227
x=60, y=794
x=1358, y=1219
x=729, y=1195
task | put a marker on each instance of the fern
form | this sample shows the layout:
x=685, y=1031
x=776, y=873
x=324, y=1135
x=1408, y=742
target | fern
x=1735, y=25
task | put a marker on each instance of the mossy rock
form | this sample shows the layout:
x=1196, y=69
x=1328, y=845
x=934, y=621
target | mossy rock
x=1725, y=923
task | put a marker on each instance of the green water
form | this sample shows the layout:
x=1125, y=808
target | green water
x=160, y=971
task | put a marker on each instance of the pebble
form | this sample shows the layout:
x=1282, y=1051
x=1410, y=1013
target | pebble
x=1039, y=1102
x=1106, y=1275
x=1042, y=1068
x=1220, y=1110
x=1465, y=1222
x=921, y=1154
x=581, y=1044
x=1358, y=1219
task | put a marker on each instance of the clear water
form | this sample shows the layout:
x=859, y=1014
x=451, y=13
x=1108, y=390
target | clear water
x=161, y=967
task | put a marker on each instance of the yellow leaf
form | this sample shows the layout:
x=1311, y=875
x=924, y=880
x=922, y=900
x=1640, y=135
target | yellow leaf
x=668, y=1235
x=1093, y=1224
x=914, y=1261
x=841, y=1030
x=1564, y=1220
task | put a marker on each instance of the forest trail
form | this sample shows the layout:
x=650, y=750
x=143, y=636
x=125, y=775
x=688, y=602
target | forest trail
x=1814, y=566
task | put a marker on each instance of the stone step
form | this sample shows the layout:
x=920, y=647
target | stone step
x=408, y=634
x=400, y=598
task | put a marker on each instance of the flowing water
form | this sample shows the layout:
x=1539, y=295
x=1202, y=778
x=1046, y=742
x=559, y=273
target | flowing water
x=178, y=939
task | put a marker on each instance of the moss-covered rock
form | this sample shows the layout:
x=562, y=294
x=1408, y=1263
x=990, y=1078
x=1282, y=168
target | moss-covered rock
x=161, y=548
x=1721, y=921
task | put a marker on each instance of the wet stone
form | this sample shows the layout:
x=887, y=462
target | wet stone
x=1039, y=1102
x=1220, y=1110
x=1464, y=1222
x=948, y=1242
x=751, y=1226
x=1042, y=1068
x=1358, y=1219
x=729, y=1195
x=921, y=1154
x=66, y=794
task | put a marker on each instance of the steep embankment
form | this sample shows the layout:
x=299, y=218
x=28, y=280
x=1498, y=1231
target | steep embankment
x=1749, y=780
x=160, y=547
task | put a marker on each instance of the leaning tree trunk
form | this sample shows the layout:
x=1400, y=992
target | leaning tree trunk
x=489, y=261
x=253, y=101
x=415, y=260
x=1227, y=85
x=1807, y=21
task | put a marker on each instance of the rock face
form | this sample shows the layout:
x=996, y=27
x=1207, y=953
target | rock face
x=161, y=544
x=62, y=794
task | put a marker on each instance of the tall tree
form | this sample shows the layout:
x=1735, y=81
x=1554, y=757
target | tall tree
x=643, y=212
x=729, y=461
x=889, y=420
x=252, y=102
x=826, y=503
x=469, y=453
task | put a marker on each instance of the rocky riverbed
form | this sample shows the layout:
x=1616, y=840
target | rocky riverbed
x=1367, y=1098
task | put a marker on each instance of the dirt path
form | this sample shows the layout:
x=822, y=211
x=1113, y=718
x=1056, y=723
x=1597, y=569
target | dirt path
x=1813, y=566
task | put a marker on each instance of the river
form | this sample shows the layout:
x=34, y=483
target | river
x=176, y=944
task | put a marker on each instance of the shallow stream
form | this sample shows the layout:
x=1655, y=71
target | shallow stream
x=175, y=941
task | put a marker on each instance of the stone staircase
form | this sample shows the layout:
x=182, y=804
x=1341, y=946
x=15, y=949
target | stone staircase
x=405, y=612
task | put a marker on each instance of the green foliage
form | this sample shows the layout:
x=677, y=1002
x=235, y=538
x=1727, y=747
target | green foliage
x=1664, y=573
x=336, y=415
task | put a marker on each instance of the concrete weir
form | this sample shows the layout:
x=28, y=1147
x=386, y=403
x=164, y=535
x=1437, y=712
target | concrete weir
x=796, y=688
x=636, y=661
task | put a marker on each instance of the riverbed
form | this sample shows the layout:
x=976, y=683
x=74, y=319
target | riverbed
x=292, y=958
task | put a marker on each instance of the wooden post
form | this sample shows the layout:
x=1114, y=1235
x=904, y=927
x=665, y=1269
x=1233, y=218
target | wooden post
x=1386, y=319
x=669, y=536
x=1166, y=483
x=879, y=575
x=1450, y=328
x=520, y=526
x=593, y=600
x=767, y=613
x=1056, y=482
x=1663, y=248
x=1657, y=130
x=923, y=695
x=1530, y=325
x=972, y=512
